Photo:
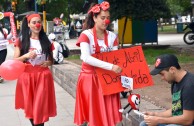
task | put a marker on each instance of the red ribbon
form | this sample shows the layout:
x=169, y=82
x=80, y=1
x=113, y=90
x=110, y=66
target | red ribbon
x=96, y=42
x=29, y=17
x=96, y=9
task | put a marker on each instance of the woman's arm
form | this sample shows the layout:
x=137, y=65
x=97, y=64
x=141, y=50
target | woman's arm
x=56, y=50
x=9, y=36
x=87, y=58
x=31, y=54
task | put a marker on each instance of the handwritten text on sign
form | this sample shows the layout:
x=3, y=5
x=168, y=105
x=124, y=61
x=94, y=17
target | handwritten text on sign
x=133, y=65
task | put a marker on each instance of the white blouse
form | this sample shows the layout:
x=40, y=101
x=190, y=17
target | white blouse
x=87, y=45
x=58, y=57
x=4, y=42
x=35, y=46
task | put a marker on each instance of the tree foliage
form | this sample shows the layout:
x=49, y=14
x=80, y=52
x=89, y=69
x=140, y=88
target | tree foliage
x=182, y=7
x=136, y=9
x=53, y=7
x=139, y=9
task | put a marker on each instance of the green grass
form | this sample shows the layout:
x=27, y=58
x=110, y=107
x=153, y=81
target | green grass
x=168, y=28
x=72, y=57
x=150, y=55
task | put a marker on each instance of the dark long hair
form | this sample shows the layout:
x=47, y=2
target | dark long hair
x=1, y=30
x=89, y=22
x=25, y=40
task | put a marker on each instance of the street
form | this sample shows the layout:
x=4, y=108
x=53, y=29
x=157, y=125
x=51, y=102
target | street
x=171, y=39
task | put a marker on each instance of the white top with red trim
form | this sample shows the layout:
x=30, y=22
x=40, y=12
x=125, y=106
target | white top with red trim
x=58, y=57
x=4, y=41
x=87, y=44
x=35, y=46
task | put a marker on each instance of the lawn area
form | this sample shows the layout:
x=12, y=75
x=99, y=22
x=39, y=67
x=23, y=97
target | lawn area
x=184, y=57
x=169, y=28
x=150, y=55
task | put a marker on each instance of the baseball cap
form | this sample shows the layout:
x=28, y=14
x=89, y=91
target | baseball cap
x=164, y=61
x=51, y=36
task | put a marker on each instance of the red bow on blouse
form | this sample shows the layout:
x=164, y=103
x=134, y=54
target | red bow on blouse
x=96, y=9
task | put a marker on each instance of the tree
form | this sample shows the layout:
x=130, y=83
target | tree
x=182, y=7
x=138, y=10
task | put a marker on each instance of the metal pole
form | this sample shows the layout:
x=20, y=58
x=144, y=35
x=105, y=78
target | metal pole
x=192, y=3
x=100, y=1
x=35, y=6
x=44, y=17
x=69, y=22
x=43, y=3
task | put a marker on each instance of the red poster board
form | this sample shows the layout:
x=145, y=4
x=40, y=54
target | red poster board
x=133, y=64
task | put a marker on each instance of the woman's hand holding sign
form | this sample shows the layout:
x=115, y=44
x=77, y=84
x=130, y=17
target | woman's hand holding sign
x=117, y=69
x=31, y=54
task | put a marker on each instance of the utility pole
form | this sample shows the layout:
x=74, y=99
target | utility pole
x=43, y=3
x=192, y=2
x=35, y=6
x=69, y=22
x=13, y=5
x=100, y=1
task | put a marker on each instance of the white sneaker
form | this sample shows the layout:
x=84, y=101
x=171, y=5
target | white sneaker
x=121, y=110
x=127, y=115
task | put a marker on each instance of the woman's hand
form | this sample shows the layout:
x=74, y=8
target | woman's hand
x=128, y=90
x=45, y=63
x=30, y=55
x=116, y=69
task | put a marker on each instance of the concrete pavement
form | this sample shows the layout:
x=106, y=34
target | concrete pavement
x=11, y=117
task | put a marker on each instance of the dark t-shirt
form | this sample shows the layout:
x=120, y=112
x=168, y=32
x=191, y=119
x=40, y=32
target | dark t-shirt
x=183, y=95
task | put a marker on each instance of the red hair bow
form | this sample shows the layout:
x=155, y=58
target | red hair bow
x=96, y=9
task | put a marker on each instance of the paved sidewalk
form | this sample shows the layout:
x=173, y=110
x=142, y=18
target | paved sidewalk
x=11, y=117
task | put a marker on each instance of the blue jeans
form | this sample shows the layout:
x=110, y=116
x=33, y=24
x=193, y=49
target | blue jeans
x=144, y=124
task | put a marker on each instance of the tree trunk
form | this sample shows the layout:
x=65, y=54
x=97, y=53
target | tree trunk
x=123, y=34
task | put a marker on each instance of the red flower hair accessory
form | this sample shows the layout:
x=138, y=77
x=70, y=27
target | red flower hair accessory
x=105, y=5
x=96, y=9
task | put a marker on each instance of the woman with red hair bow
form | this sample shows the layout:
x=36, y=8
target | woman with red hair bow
x=91, y=105
x=35, y=92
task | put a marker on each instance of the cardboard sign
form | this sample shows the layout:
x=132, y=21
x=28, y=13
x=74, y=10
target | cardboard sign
x=133, y=65
x=127, y=82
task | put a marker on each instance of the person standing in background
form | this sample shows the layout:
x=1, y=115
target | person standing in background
x=91, y=105
x=4, y=37
x=57, y=56
x=35, y=92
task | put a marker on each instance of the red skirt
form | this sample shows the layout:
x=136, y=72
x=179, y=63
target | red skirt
x=91, y=105
x=35, y=94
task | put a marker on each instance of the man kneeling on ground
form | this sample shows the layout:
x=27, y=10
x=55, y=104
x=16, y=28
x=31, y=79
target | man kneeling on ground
x=182, y=90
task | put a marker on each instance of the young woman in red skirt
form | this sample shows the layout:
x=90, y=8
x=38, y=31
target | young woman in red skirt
x=91, y=105
x=35, y=92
